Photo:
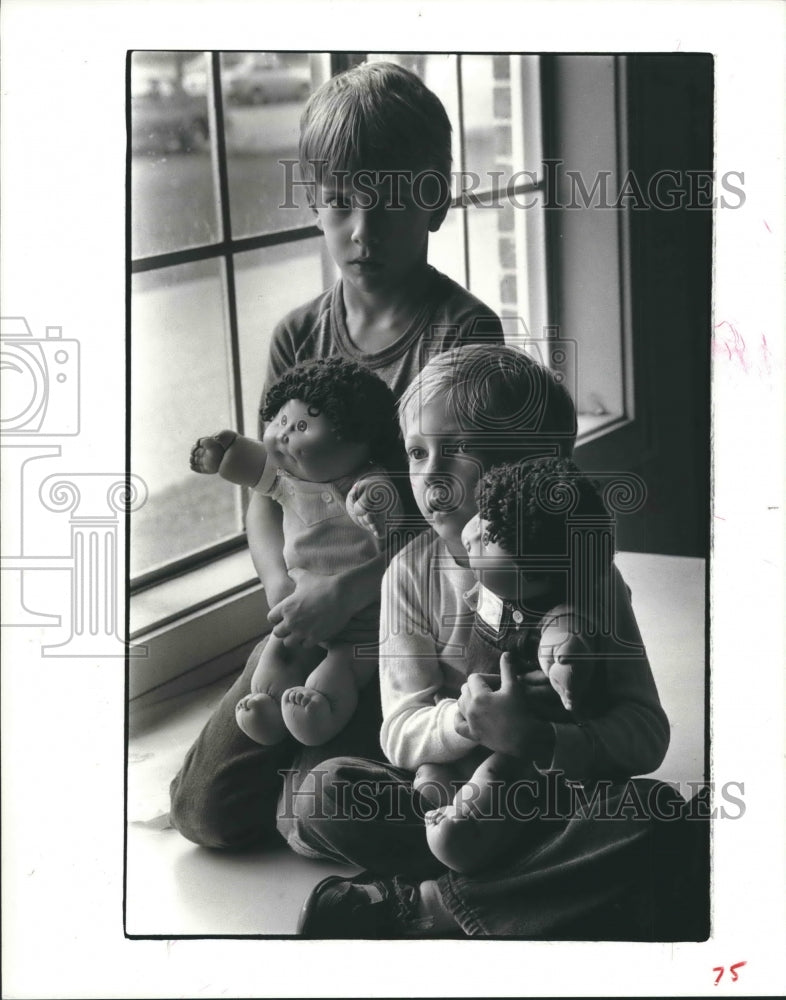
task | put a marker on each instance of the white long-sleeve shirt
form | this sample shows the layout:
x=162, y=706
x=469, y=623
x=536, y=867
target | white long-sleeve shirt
x=424, y=629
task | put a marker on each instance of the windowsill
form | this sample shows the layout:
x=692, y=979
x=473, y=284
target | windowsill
x=190, y=592
x=194, y=627
x=590, y=425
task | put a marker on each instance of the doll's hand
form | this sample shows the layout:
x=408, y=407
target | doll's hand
x=373, y=503
x=568, y=660
x=501, y=720
x=207, y=453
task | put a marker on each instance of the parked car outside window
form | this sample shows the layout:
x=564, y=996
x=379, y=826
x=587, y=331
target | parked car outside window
x=165, y=118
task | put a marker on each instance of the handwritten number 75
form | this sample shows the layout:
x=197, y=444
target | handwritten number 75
x=720, y=969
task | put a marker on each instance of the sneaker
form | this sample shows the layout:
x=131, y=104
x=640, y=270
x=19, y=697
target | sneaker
x=361, y=907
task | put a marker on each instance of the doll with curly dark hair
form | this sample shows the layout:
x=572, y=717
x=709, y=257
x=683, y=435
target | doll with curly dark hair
x=534, y=607
x=331, y=427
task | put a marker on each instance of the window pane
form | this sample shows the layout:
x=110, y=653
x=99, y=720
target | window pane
x=172, y=198
x=264, y=95
x=269, y=283
x=446, y=246
x=180, y=390
x=498, y=259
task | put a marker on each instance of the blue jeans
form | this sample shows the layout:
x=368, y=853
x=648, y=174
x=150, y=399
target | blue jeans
x=635, y=874
x=634, y=869
x=226, y=793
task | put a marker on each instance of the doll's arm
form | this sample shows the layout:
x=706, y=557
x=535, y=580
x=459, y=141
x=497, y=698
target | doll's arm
x=374, y=504
x=568, y=659
x=236, y=458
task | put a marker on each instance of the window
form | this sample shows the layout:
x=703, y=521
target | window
x=216, y=262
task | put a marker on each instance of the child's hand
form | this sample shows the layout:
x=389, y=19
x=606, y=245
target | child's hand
x=568, y=660
x=372, y=503
x=312, y=613
x=502, y=720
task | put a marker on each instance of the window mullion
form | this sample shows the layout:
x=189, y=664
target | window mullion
x=221, y=184
x=462, y=162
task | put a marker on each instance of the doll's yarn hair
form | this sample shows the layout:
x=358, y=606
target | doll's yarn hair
x=527, y=504
x=358, y=404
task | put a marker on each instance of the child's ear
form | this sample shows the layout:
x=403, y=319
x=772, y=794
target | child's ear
x=438, y=217
x=313, y=206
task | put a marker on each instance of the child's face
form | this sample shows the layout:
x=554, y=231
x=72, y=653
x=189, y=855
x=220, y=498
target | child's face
x=443, y=471
x=303, y=442
x=495, y=568
x=375, y=246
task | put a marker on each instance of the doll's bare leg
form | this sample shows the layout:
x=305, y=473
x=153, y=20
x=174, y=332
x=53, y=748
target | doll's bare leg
x=468, y=834
x=259, y=713
x=315, y=712
x=438, y=783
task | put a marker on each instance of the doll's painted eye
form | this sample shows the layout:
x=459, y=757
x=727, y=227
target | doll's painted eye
x=301, y=425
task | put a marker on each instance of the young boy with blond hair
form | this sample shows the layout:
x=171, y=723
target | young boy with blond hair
x=570, y=872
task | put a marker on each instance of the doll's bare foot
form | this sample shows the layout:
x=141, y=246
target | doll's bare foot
x=309, y=716
x=208, y=452
x=259, y=716
x=466, y=842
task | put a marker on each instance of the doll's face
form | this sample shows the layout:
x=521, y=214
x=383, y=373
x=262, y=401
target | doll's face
x=303, y=442
x=495, y=568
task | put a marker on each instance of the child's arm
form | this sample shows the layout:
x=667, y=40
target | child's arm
x=418, y=720
x=630, y=737
x=501, y=719
x=320, y=606
x=264, y=528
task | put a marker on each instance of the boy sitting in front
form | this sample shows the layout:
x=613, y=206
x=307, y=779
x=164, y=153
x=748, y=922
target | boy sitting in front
x=566, y=865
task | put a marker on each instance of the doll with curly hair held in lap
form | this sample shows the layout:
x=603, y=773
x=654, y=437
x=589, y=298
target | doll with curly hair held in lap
x=330, y=427
x=533, y=616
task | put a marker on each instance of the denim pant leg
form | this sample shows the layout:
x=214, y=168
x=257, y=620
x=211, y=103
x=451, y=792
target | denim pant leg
x=227, y=790
x=225, y=793
x=357, y=811
x=592, y=878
